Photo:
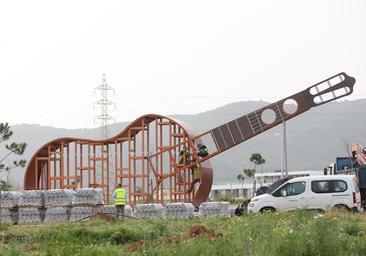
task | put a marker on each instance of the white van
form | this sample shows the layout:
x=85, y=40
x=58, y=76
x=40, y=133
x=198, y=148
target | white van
x=313, y=192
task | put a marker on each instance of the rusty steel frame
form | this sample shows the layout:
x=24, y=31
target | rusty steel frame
x=143, y=165
x=143, y=158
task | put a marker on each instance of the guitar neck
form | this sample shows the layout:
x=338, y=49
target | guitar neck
x=256, y=122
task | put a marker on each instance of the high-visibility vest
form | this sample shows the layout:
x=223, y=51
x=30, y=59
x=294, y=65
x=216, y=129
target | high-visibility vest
x=120, y=196
x=197, y=172
x=203, y=148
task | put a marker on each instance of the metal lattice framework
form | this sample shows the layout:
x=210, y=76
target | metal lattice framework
x=104, y=103
x=145, y=154
x=143, y=157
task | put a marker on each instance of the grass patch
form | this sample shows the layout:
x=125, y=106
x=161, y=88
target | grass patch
x=296, y=233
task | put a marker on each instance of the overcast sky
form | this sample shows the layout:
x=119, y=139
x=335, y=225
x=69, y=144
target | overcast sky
x=169, y=57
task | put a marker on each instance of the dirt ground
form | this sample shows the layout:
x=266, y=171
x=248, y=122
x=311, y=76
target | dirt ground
x=200, y=230
x=195, y=232
x=104, y=217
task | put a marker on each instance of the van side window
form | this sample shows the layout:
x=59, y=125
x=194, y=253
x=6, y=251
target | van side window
x=339, y=186
x=291, y=189
x=320, y=186
x=328, y=186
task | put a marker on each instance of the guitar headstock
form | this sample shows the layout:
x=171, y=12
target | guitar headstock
x=333, y=88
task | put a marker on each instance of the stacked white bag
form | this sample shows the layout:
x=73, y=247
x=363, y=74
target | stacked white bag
x=8, y=204
x=9, y=215
x=179, y=210
x=128, y=210
x=58, y=197
x=111, y=211
x=31, y=207
x=88, y=196
x=30, y=215
x=86, y=203
x=10, y=199
x=33, y=198
x=58, y=202
x=218, y=209
x=83, y=212
x=149, y=211
x=57, y=214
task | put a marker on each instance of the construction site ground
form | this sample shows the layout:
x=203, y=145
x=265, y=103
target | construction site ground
x=297, y=233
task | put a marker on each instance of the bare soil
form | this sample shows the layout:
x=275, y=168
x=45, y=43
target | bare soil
x=195, y=232
x=104, y=217
x=200, y=230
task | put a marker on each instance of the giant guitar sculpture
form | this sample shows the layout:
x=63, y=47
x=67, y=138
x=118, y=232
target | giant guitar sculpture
x=144, y=156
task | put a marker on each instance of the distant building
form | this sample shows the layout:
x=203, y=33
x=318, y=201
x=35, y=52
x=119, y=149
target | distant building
x=244, y=191
x=230, y=191
x=267, y=178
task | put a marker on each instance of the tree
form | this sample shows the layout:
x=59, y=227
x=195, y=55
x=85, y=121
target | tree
x=4, y=186
x=257, y=160
x=11, y=149
x=250, y=174
x=241, y=178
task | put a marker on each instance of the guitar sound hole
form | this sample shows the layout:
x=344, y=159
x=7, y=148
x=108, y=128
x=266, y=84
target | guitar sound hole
x=268, y=116
x=290, y=106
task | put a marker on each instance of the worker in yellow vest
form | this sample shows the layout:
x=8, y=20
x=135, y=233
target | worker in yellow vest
x=119, y=197
x=184, y=156
x=196, y=170
x=196, y=177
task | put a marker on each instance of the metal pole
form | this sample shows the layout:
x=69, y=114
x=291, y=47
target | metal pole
x=262, y=175
x=1, y=191
x=284, y=152
x=285, y=148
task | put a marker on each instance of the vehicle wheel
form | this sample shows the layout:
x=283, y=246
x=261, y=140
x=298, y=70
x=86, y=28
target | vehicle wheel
x=267, y=209
x=340, y=208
